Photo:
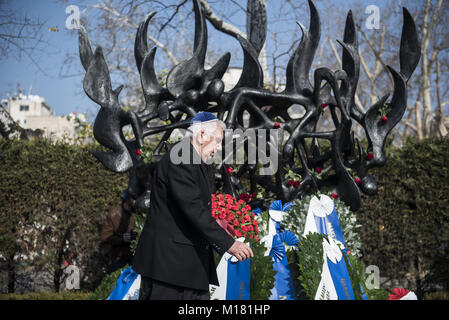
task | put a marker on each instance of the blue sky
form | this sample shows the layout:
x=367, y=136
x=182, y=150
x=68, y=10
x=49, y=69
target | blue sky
x=64, y=95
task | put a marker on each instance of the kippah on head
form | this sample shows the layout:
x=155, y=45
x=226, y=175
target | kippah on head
x=202, y=117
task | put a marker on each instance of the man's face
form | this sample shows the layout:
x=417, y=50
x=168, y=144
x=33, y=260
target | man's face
x=210, y=144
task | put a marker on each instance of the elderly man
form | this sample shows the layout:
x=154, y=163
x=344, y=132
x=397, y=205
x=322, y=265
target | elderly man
x=174, y=255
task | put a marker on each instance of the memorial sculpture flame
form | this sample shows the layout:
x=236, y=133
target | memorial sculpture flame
x=190, y=88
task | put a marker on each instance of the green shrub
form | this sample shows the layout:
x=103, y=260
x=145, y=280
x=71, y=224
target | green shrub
x=64, y=295
x=405, y=227
x=437, y=295
x=53, y=197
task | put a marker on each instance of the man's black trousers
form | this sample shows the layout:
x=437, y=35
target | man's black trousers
x=151, y=289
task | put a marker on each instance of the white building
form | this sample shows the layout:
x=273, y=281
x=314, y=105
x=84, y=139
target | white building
x=32, y=112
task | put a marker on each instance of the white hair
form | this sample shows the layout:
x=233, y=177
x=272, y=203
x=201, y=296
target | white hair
x=209, y=128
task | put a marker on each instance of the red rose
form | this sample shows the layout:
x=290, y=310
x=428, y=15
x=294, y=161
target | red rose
x=369, y=156
x=357, y=181
x=138, y=152
x=276, y=125
x=255, y=222
x=253, y=195
x=290, y=182
x=234, y=216
x=323, y=105
x=335, y=196
x=398, y=293
x=229, y=170
x=384, y=119
x=318, y=169
x=297, y=183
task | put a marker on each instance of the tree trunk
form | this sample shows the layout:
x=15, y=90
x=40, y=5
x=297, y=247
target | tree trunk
x=9, y=129
x=427, y=28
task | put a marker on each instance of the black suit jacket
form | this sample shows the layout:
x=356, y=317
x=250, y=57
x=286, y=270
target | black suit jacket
x=175, y=245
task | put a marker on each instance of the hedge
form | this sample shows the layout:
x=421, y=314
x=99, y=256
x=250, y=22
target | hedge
x=405, y=227
x=66, y=295
x=53, y=198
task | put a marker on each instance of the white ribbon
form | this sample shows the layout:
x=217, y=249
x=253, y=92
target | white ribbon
x=275, y=216
x=326, y=289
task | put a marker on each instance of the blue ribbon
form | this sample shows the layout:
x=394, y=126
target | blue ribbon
x=341, y=280
x=238, y=282
x=283, y=285
x=277, y=205
x=330, y=225
x=123, y=284
x=257, y=211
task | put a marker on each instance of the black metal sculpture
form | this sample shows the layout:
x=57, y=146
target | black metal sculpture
x=190, y=89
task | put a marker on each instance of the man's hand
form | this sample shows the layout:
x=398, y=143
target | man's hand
x=241, y=251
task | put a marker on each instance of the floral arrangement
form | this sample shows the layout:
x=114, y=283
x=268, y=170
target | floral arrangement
x=235, y=216
x=295, y=221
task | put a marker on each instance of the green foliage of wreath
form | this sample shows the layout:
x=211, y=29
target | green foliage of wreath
x=310, y=262
x=295, y=221
x=262, y=273
x=106, y=286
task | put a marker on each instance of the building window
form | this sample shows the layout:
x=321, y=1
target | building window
x=24, y=108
